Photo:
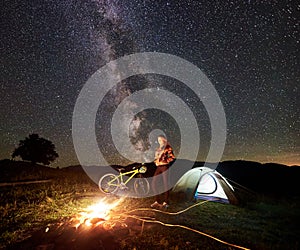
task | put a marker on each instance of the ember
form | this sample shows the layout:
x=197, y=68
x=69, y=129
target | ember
x=96, y=214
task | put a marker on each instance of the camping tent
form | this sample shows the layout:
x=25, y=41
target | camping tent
x=205, y=184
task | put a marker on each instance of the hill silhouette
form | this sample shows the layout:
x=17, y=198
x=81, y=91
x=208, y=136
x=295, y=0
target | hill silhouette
x=269, y=178
x=20, y=171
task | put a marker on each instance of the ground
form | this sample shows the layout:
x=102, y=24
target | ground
x=49, y=216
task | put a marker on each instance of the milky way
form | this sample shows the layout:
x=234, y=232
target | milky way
x=249, y=50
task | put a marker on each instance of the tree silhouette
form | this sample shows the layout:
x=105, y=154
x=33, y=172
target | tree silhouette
x=36, y=149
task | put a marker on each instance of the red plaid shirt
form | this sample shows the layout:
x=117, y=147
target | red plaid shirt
x=164, y=156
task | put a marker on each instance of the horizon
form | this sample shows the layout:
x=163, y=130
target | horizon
x=288, y=162
x=75, y=165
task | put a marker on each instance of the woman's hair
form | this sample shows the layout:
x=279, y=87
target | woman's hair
x=162, y=136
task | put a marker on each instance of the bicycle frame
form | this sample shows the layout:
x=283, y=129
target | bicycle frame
x=134, y=172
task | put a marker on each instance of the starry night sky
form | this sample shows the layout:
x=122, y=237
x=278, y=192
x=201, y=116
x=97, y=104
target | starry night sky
x=248, y=49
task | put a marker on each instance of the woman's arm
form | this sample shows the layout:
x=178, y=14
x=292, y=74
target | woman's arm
x=167, y=156
x=170, y=155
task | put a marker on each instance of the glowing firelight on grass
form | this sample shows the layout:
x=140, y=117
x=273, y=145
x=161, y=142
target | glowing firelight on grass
x=97, y=214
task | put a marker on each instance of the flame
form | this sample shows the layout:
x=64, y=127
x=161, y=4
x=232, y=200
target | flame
x=96, y=214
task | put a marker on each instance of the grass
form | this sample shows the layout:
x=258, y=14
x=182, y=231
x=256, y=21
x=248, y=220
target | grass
x=262, y=227
x=24, y=210
x=262, y=223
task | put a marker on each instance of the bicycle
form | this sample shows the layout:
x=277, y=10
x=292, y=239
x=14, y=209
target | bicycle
x=110, y=183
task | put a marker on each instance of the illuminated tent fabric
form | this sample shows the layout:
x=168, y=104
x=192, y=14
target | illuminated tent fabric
x=205, y=184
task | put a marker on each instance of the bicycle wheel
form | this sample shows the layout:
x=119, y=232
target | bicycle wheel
x=141, y=186
x=109, y=183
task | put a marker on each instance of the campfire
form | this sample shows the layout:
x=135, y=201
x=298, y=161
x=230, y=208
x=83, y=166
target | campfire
x=97, y=214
